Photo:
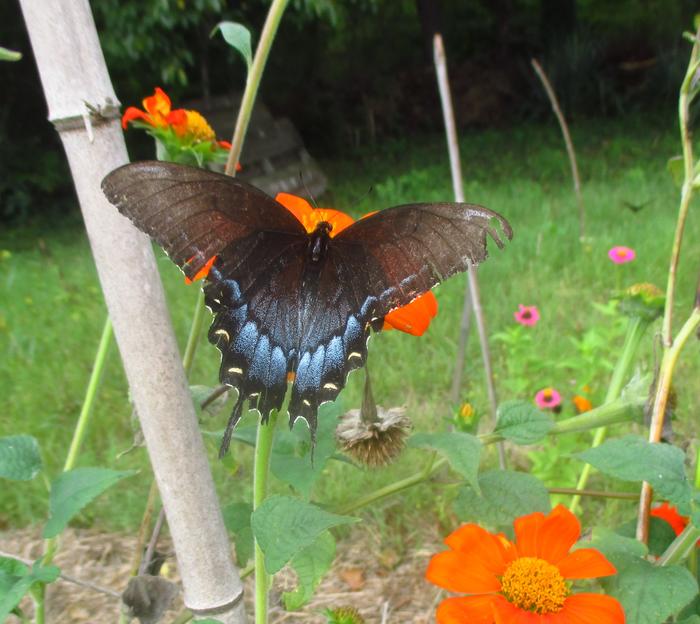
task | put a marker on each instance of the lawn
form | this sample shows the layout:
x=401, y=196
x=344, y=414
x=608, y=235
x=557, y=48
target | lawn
x=52, y=310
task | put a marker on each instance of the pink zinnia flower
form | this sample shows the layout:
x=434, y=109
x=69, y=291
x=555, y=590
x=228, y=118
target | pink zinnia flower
x=620, y=254
x=527, y=315
x=547, y=398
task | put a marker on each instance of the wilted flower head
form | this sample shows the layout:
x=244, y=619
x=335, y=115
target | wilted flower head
x=527, y=315
x=645, y=301
x=547, y=398
x=374, y=443
x=344, y=615
x=620, y=254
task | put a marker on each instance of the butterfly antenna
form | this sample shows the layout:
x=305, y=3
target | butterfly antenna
x=309, y=194
x=362, y=198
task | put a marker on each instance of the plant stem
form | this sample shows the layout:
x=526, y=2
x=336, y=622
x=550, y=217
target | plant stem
x=633, y=338
x=195, y=333
x=567, y=141
x=51, y=545
x=680, y=547
x=263, y=449
x=663, y=386
x=684, y=101
x=274, y=15
x=90, y=394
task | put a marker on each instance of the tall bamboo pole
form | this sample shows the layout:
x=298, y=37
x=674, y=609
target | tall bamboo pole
x=472, y=281
x=83, y=107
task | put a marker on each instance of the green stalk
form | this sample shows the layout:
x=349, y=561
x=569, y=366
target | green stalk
x=263, y=449
x=680, y=547
x=635, y=331
x=90, y=394
x=51, y=545
x=195, y=333
x=274, y=15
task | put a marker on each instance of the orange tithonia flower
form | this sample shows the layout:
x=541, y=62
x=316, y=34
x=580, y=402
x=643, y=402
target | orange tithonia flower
x=582, y=404
x=413, y=318
x=156, y=110
x=526, y=582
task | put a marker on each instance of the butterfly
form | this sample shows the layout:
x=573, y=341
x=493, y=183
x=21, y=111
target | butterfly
x=289, y=303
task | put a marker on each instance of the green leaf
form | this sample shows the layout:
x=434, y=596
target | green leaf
x=676, y=168
x=613, y=544
x=505, y=495
x=208, y=621
x=72, y=490
x=16, y=579
x=311, y=564
x=649, y=594
x=200, y=394
x=19, y=457
x=522, y=423
x=661, y=534
x=693, y=619
x=284, y=526
x=632, y=458
x=9, y=55
x=291, y=454
x=238, y=37
x=237, y=520
x=462, y=450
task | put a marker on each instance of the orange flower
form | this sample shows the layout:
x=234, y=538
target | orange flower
x=526, y=582
x=413, y=318
x=582, y=404
x=157, y=110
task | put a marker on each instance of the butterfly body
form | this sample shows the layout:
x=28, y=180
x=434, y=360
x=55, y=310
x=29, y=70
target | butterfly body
x=291, y=303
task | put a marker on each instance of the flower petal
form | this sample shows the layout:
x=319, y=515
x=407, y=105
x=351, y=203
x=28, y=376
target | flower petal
x=526, y=533
x=507, y=613
x=298, y=206
x=473, y=541
x=459, y=572
x=413, y=318
x=558, y=533
x=132, y=113
x=585, y=563
x=590, y=609
x=472, y=609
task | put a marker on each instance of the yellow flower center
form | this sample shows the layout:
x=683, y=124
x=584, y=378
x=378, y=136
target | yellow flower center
x=198, y=128
x=533, y=584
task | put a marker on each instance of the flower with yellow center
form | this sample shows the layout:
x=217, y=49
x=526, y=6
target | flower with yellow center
x=522, y=582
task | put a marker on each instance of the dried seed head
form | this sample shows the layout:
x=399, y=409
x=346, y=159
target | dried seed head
x=375, y=443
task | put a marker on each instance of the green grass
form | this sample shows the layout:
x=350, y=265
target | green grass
x=52, y=309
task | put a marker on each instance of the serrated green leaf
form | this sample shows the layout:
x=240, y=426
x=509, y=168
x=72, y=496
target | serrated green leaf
x=311, y=565
x=238, y=37
x=291, y=453
x=16, y=579
x=20, y=459
x=522, y=423
x=632, y=458
x=505, y=495
x=284, y=526
x=462, y=450
x=237, y=520
x=72, y=490
x=649, y=594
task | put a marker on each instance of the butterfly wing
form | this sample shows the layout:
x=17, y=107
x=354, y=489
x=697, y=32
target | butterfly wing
x=192, y=213
x=378, y=264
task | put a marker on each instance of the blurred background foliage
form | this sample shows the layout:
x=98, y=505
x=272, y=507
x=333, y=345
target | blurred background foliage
x=351, y=72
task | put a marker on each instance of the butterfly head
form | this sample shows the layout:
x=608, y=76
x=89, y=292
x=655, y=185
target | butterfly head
x=318, y=241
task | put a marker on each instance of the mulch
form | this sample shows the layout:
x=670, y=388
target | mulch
x=385, y=589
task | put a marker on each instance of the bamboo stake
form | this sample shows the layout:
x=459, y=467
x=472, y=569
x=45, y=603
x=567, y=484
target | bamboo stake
x=83, y=107
x=472, y=281
x=569, y=145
